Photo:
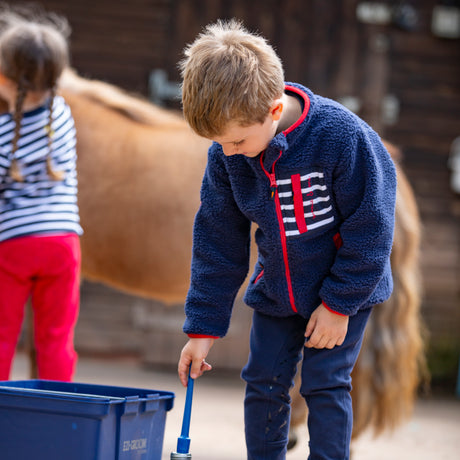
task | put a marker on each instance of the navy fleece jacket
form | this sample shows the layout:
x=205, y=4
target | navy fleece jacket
x=322, y=195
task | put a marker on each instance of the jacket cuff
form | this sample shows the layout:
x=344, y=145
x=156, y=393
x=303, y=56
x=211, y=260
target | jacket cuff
x=202, y=336
x=331, y=310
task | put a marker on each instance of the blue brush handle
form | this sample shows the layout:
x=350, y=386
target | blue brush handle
x=183, y=441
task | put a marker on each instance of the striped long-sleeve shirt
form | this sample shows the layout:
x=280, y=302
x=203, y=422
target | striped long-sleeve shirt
x=39, y=204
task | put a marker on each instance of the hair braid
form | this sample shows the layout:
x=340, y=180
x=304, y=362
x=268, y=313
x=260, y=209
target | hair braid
x=15, y=172
x=55, y=175
x=33, y=53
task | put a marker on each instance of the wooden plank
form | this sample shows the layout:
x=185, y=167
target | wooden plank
x=423, y=46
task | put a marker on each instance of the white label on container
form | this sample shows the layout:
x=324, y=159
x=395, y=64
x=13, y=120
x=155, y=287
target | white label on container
x=135, y=444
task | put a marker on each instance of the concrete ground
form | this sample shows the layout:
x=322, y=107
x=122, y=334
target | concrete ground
x=216, y=431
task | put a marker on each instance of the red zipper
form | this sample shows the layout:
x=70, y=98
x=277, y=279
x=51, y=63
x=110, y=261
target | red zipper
x=274, y=196
x=274, y=192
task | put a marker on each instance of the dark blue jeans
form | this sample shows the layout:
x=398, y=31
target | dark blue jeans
x=276, y=347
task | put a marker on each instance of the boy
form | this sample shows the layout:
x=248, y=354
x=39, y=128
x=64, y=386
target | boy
x=321, y=187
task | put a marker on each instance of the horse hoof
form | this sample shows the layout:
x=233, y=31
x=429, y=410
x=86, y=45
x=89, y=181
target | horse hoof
x=292, y=440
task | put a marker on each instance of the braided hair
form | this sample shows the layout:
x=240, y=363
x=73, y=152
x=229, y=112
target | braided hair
x=33, y=54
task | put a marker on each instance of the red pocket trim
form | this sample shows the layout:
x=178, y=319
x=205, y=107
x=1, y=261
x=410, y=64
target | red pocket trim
x=298, y=203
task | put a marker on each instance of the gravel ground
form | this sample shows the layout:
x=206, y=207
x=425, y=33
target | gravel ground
x=433, y=432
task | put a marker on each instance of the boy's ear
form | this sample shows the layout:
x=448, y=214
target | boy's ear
x=276, y=109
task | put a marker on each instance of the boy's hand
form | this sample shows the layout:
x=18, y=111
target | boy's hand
x=325, y=329
x=194, y=353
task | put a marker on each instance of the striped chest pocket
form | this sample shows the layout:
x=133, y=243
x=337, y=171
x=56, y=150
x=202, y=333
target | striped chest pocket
x=305, y=203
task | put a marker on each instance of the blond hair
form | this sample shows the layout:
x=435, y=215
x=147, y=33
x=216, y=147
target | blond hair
x=229, y=74
x=33, y=54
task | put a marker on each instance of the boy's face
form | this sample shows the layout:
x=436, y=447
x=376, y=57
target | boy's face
x=249, y=140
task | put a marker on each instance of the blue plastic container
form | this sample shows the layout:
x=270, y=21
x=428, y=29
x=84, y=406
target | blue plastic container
x=48, y=420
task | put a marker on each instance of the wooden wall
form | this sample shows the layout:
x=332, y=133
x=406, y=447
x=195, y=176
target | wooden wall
x=326, y=47
x=426, y=75
x=117, y=41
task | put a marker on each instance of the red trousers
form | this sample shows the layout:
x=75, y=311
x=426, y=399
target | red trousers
x=47, y=269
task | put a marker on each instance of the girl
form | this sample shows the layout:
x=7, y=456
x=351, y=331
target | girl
x=39, y=221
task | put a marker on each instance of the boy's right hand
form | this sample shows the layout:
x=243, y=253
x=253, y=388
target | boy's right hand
x=194, y=353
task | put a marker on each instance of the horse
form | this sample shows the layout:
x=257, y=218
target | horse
x=140, y=169
x=139, y=173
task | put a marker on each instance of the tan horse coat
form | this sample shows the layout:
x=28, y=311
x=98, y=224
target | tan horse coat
x=139, y=185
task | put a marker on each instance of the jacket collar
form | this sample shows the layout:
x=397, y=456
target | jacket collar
x=280, y=141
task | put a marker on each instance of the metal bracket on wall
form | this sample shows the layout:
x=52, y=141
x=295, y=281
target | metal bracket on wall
x=390, y=107
x=445, y=21
x=374, y=13
x=162, y=90
x=403, y=15
x=454, y=165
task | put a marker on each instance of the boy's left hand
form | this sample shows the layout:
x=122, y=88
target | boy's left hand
x=325, y=329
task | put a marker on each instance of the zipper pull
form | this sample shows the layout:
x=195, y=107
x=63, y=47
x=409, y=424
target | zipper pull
x=273, y=186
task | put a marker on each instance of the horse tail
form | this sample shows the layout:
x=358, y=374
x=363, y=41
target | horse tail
x=392, y=365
